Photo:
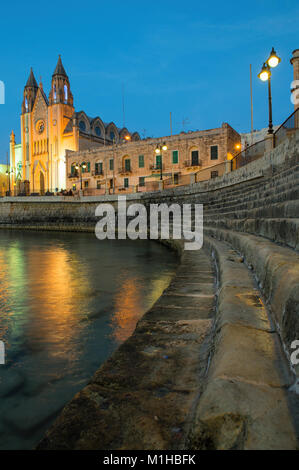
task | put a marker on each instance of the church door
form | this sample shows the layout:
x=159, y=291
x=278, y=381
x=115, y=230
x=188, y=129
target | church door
x=42, y=183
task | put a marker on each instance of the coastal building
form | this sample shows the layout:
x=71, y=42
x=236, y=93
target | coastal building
x=50, y=126
x=129, y=166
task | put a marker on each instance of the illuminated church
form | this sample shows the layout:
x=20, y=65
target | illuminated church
x=49, y=127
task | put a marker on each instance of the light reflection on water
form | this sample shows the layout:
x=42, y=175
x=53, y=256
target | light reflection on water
x=66, y=302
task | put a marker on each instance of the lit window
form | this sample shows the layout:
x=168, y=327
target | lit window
x=65, y=93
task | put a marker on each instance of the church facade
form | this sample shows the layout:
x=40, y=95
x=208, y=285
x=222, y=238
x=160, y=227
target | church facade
x=49, y=127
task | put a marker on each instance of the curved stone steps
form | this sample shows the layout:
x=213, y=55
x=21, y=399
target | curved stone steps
x=245, y=404
x=283, y=231
x=276, y=269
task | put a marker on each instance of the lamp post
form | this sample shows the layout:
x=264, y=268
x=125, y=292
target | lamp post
x=265, y=75
x=8, y=173
x=159, y=150
x=80, y=166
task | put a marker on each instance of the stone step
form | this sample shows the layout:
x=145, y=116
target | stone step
x=283, y=209
x=244, y=404
x=277, y=271
x=283, y=231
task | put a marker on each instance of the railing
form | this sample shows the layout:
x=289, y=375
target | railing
x=211, y=172
x=97, y=173
x=74, y=175
x=123, y=170
x=249, y=154
x=156, y=167
x=178, y=180
x=290, y=125
x=190, y=163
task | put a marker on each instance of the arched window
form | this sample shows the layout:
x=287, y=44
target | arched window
x=98, y=131
x=82, y=126
x=112, y=135
x=54, y=92
x=65, y=93
x=26, y=103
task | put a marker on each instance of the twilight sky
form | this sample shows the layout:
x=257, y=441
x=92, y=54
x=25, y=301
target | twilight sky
x=191, y=58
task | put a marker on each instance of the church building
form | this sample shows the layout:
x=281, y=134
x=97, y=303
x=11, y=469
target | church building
x=49, y=127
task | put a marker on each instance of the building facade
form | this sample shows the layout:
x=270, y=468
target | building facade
x=49, y=127
x=142, y=165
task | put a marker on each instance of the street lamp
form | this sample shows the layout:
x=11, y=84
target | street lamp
x=265, y=75
x=159, y=150
x=8, y=173
x=81, y=166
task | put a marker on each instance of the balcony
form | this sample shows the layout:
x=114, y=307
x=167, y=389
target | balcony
x=192, y=163
x=124, y=170
x=98, y=173
x=155, y=168
x=74, y=174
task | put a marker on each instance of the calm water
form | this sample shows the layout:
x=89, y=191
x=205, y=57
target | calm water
x=67, y=301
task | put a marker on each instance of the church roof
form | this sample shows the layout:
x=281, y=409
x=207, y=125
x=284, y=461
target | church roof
x=59, y=70
x=31, y=82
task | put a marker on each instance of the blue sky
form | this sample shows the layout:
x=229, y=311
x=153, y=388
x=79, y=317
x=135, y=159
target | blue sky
x=191, y=58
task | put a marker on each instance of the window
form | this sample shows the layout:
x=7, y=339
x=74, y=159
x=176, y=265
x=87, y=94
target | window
x=176, y=178
x=194, y=158
x=214, y=174
x=126, y=182
x=87, y=169
x=214, y=152
x=65, y=93
x=54, y=92
x=141, y=181
x=128, y=164
x=98, y=185
x=141, y=161
x=85, y=184
x=82, y=126
x=112, y=135
x=26, y=104
x=98, y=131
x=74, y=170
x=111, y=164
x=111, y=183
x=99, y=168
x=158, y=161
x=175, y=156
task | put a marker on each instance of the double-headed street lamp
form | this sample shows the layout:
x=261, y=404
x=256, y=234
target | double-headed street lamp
x=159, y=150
x=81, y=166
x=265, y=75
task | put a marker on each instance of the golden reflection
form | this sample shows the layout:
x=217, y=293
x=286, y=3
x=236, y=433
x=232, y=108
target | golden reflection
x=58, y=281
x=127, y=310
x=129, y=306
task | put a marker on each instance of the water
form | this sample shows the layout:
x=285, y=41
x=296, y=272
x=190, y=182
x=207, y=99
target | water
x=67, y=301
